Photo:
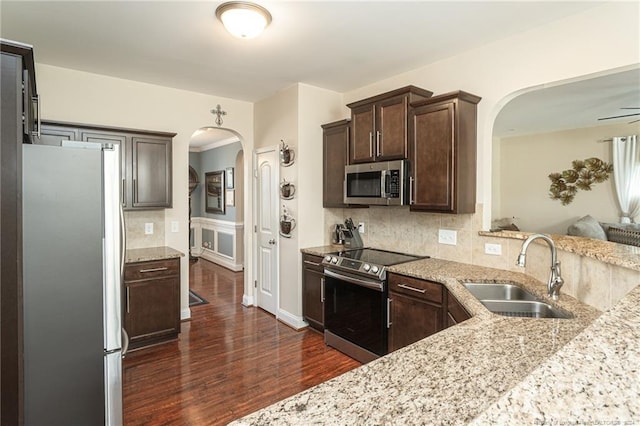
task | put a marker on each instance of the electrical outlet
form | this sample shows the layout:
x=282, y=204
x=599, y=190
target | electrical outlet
x=148, y=228
x=174, y=226
x=448, y=236
x=361, y=227
x=494, y=249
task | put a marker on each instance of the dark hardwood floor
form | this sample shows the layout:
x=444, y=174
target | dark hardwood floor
x=229, y=360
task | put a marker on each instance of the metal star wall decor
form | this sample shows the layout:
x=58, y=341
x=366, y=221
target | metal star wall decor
x=219, y=114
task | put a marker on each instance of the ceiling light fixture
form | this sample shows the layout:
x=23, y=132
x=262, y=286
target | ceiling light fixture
x=243, y=19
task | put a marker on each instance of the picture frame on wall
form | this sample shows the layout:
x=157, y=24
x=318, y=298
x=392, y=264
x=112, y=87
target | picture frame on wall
x=214, y=192
x=229, y=177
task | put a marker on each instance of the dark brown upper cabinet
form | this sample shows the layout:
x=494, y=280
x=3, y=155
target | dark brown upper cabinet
x=146, y=159
x=442, y=150
x=335, y=144
x=151, y=171
x=379, y=127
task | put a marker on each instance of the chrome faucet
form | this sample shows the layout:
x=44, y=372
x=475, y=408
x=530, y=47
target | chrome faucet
x=555, y=279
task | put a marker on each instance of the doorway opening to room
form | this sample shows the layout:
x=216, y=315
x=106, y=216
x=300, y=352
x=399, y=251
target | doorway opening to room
x=216, y=200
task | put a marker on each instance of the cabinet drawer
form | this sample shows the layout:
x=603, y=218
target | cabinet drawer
x=421, y=289
x=153, y=269
x=312, y=262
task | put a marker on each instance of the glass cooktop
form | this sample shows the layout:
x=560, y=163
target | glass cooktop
x=377, y=257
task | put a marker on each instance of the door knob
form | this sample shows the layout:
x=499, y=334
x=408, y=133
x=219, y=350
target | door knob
x=272, y=242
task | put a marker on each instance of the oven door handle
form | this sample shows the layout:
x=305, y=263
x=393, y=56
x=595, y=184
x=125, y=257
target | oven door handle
x=374, y=285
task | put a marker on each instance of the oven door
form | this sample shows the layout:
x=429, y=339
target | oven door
x=355, y=309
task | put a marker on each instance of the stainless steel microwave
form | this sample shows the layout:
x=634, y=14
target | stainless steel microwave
x=382, y=183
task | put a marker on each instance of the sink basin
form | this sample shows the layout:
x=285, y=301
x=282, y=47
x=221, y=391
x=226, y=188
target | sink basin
x=512, y=301
x=522, y=308
x=498, y=292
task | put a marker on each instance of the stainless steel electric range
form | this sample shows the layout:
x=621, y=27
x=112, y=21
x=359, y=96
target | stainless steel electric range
x=356, y=303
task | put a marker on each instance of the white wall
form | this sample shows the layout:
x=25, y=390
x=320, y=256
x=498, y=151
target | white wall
x=295, y=115
x=528, y=160
x=276, y=118
x=69, y=95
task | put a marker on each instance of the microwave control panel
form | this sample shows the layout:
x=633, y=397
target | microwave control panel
x=392, y=184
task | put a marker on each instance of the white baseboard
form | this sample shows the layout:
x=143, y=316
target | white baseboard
x=248, y=300
x=219, y=260
x=291, y=320
x=185, y=314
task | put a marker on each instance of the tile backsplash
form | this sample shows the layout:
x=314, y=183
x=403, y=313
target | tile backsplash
x=135, y=226
x=589, y=280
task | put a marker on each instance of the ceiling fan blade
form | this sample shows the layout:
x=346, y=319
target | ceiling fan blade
x=619, y=116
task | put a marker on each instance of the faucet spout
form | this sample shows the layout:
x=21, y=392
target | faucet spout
x=555, y=278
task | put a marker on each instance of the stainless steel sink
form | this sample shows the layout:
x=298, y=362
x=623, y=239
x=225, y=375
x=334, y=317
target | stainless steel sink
x=521, y=308
x=512, y=301
x=498, y=292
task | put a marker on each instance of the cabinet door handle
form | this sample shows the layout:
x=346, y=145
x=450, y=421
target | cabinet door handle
x=124, y=192
x=308, y=262
x=348, y=144
x=408, y=287
x=370, y=144
x=411, y=190
x=389, y=323
x=164, y=268
x=127, y=299
x=38, y=132
x=377, y=143
x=322, y=289
x=135, y=191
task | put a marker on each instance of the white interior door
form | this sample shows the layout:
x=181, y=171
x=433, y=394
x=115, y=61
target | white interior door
x=267, y=229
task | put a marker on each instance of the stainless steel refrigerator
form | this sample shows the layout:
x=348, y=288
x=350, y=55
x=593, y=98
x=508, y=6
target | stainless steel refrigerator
x=73, y=253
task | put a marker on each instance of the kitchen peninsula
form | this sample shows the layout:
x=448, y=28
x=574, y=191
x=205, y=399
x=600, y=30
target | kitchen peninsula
x=488, y=368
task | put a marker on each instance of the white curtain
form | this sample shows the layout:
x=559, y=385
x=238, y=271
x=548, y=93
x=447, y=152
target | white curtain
x=626, y=174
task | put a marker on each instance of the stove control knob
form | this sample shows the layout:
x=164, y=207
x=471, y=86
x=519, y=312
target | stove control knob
x=327, y=258
x=375, y=269
x=334, y=260
x=366, y=267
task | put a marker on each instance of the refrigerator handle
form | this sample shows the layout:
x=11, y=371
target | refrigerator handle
x=125, y=342
x=123, y=243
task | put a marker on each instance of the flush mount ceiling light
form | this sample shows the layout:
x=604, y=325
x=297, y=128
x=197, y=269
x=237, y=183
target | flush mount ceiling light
x=243, y=19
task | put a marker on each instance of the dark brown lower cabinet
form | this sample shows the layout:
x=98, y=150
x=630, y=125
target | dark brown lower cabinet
x=456, y=313
x=152, y=302
x=412, y=319
x=313, y=291
x=416, y=310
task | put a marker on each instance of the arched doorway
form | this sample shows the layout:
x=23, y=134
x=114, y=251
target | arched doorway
x=216, y=155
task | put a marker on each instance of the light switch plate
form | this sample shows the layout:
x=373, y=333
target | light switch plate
x=361, y=227
x=174, y=226
x=448, y=236
x=494, y=249
x=148, y=228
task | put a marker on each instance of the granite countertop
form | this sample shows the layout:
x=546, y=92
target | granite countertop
x=151, y=253
x=488, y=369
x=606, y=251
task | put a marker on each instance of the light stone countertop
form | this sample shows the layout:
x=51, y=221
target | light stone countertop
x=489, y=368
x=151, y=253
x=623, y=255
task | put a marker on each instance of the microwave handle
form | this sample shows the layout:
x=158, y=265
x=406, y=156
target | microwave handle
x=383, y=183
